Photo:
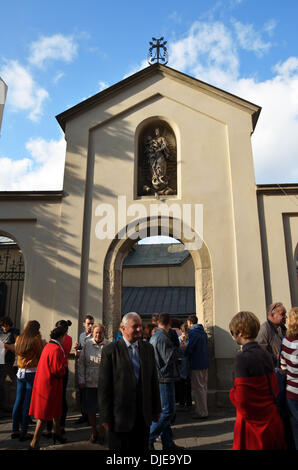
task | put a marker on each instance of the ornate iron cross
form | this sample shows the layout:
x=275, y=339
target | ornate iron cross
x=161, y=54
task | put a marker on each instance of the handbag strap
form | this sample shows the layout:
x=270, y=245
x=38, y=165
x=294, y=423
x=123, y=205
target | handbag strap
x=279, y=354
x=271, y=389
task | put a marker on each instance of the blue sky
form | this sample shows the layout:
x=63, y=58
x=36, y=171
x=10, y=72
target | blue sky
x=55, y=54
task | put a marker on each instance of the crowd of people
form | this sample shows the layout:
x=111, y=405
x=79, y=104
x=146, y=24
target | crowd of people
x=140, y=380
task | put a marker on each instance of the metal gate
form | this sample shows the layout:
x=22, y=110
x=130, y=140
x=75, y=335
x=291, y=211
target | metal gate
x=12, y=275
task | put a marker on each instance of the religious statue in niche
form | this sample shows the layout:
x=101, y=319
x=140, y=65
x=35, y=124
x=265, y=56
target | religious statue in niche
x=159, y=161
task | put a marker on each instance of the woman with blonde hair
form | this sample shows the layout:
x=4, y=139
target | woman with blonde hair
x=289, y=363
x=28, y=348
x=258, y=424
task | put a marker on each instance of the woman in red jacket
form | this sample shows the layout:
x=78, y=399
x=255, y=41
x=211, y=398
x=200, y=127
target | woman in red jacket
x=46, y=401
x=67, y=344
x=258, y=424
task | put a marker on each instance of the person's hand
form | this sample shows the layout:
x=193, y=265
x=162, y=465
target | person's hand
x=281, y=371
x=155, y=418
x=106, y=426
x=76, y=345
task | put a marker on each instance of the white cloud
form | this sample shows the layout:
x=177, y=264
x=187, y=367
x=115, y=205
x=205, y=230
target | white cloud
x=251, y=40
x=58, y=77
x=44, y=169
x=287, y=68
x=102, y=85
x=56, y=47
x=211, y=53
x=275, y=140
x=208, y=52
x=12, y=170
x=23, y=93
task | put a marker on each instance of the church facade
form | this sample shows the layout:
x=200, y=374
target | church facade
x=158, y=153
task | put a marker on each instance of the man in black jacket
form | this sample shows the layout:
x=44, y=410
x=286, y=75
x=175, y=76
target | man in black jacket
x=129, y=398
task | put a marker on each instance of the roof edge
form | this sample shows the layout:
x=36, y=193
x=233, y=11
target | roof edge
x=32, y=194
x=276, y=188
x=164, y=70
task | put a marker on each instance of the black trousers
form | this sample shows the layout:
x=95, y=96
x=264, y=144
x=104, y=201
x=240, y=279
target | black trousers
x=135, y=440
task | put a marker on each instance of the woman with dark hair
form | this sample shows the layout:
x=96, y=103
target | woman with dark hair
x=28, y=348
x=67, y=344
x=46, y=401
x=258, y=424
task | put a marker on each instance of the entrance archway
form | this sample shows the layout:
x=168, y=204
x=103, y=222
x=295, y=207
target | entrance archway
x=158, y=276
x=112, y=283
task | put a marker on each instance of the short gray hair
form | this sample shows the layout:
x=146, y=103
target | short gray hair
x=128, y=316
x=272, y=307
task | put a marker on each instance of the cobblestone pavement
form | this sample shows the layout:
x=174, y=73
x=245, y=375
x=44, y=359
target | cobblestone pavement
x=213, y=433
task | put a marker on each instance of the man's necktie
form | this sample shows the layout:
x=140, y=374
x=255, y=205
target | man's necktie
x=135, y=360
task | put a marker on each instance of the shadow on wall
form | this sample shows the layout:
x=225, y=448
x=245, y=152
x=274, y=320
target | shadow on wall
x=221, y=367
x=54, y=239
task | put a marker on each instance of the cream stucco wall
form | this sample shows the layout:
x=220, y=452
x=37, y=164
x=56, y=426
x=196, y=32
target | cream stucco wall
x=215, y=169
x=34, y=223
x=278, y=212
x=161, y=276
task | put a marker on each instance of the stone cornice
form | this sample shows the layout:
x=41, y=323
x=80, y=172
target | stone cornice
x=45, y=195
x=280, y=189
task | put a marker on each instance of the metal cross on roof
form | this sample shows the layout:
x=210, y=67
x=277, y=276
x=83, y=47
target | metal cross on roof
x=160, y=54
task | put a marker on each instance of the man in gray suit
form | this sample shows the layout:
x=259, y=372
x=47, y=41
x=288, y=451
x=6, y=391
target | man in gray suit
x=129, y=398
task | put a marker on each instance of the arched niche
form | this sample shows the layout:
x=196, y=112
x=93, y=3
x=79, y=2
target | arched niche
x=157, y=158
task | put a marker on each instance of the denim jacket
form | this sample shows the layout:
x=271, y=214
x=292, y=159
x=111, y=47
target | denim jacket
x=166, y=356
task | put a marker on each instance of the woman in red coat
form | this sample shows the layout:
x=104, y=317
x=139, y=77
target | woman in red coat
x=258, y=424
x=46, y=401
x=67, y=344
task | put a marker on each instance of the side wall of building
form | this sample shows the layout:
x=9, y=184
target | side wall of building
x=278, y=215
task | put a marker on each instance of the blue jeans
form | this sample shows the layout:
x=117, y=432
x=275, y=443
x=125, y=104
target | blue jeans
x=20, y=412
x=293, y=412
x=163, y=427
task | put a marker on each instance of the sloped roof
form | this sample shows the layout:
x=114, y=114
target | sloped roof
x=164, y=70
x=156, y=255
x=146, y=301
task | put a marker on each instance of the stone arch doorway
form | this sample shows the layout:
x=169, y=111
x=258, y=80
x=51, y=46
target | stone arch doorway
x=112, y=283
x=158, y=276
x=12, y=277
